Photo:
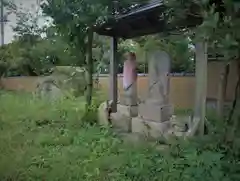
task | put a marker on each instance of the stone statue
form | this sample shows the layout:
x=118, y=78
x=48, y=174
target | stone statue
x=130, y=80
x=156, y=107
x=128, y=108
x=154, y=114
x=159, y=67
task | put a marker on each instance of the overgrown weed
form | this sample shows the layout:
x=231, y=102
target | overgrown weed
x=50, y=141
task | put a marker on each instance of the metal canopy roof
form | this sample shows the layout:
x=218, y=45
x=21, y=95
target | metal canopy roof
x=143, y=20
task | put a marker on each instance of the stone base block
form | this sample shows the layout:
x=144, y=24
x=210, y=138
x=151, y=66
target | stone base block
x=155, y=112
x=127, y=100
x=149, y=128
x=180, y=123
x=121, y=121
x=172, y=135
x=102, y=114
x=122, y=118
x=131, y=111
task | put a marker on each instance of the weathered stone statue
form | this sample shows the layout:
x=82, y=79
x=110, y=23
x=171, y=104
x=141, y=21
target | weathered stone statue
x=155, y=113
x=128, y=108
x=130, y=82
x=156, y=107
x=64, y=81
x=159, y=67
x=48, y=89
x=129, y=70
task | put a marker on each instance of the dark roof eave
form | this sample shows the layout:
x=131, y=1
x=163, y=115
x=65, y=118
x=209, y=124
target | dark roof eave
x=128, y=17
x=117, y=26
x=150, y=30
x=141, y=10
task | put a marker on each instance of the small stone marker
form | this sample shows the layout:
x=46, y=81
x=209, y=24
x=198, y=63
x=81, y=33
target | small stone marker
x=48, y=90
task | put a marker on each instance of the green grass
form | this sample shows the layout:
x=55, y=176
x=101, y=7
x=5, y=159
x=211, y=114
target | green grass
x=40, y=140
x=50, y=141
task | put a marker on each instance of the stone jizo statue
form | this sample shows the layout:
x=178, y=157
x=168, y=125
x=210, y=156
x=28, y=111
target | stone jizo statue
x=129, y=71
x=130, y=79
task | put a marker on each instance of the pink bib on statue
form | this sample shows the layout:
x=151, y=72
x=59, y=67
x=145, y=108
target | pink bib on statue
x=129, y=73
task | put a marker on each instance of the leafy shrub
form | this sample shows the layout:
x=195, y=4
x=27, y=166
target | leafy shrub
x=71, y=77
x=92, y=115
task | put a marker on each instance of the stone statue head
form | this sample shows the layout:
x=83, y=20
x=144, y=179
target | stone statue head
x=130, y=56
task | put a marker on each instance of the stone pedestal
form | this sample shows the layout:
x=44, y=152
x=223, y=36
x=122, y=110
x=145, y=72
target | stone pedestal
x=123, y=117
x=128, y=110
x=120, y=120
x=153, y=119
x=127, y=107
x=149, y=128
x=102, y=114
x=126, y=100
x=155, y=111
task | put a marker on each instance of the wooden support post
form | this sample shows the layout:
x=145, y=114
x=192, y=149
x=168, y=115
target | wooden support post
x=201, y=84
x=2, y=23
x=114, y=75
x=222, y=88
x=220, y=96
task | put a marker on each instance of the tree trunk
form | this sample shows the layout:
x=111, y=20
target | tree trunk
x=145, y=62
x=237, y=90
x=201, y=85
x=89, y=69
x=230, y=134
x=222, y=91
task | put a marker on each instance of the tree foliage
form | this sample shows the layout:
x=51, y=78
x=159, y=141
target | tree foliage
x=177, y=46
x=220, y=29
x=36, y=48
x=75, y=20
x=33, y=55
x=219, y=26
